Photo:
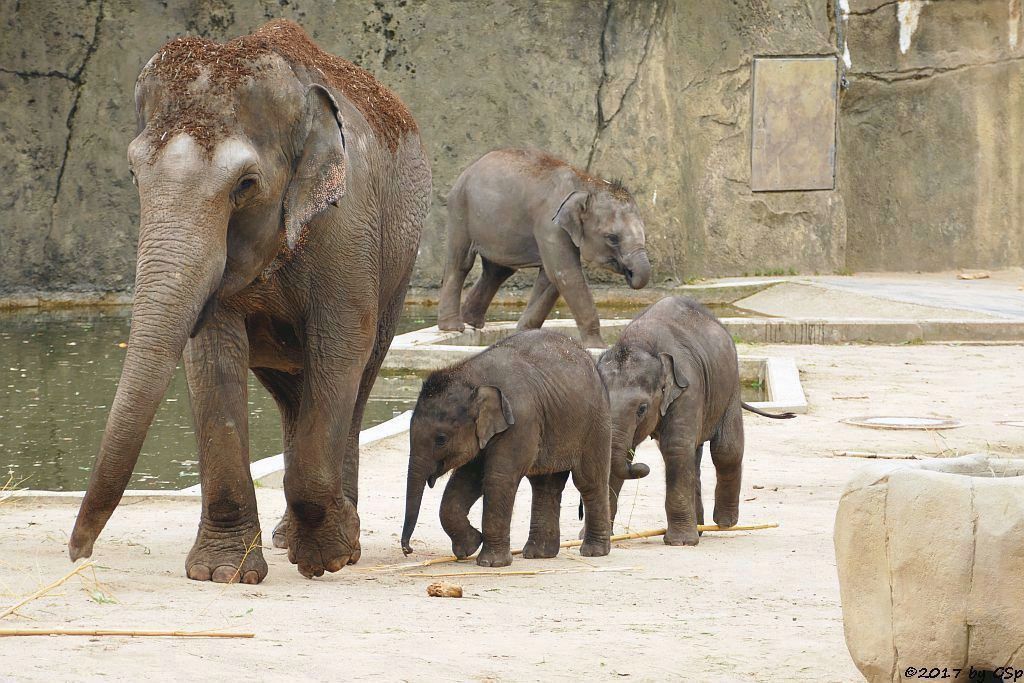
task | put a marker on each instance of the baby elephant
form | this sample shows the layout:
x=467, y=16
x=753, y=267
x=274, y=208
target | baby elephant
x=673, y=375
x=523, y=208
x=531, y=405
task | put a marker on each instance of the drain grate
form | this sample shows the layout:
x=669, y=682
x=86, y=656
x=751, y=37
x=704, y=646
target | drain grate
x=905, y=422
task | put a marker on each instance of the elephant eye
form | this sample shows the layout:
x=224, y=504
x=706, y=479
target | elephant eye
x=440, y=440
x=641, y=410
x=612, y=239
x=244, y=186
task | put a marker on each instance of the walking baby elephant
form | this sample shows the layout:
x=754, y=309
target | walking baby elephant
x=531, y=405
x=673, y=375
x=526, y=209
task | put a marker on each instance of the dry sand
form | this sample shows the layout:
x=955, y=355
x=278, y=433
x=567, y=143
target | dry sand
x=757, y=606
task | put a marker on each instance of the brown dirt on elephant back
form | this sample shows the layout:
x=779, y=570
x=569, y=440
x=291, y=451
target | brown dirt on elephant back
x=182, y=61
x=383, y=110
x=541, y=162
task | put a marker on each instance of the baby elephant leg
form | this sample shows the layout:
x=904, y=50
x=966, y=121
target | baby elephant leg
x=547, y=505
x=727, y=454
x=591, y=478
x=678, y=448
x=501, y=481
x=474, y=311
x=463, y=490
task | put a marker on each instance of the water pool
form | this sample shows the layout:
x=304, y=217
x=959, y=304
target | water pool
x=58, y=374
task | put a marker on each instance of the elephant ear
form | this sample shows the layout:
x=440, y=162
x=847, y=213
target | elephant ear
x=570, y=214
x=319, y=176
x=493, y=413
x=673, y=383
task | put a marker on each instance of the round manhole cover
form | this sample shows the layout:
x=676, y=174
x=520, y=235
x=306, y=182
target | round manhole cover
x=904, y=422
x=1012, y=423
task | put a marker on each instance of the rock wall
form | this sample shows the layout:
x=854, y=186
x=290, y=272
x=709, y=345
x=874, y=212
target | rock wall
x=931, y=134
x=656, y=92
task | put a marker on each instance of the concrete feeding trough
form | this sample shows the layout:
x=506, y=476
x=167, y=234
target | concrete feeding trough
x=430, y=349
x=929, y=558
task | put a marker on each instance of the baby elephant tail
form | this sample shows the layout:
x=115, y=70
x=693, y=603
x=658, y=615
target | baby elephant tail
x=774, y=416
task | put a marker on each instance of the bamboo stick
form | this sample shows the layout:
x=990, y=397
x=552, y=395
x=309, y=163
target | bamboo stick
x=9, y=632
x=46, y=589
x=574, y=543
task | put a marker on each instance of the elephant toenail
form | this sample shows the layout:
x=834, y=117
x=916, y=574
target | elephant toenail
x=199, y=572
x=336, y=565
x=225, y=574
x=251, y=577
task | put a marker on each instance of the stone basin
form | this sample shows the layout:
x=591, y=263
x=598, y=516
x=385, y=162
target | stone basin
x=930, y=556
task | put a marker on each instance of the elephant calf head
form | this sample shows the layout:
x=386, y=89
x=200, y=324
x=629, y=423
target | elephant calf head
x=453, y=421
x=604, y=222
x=641, y=387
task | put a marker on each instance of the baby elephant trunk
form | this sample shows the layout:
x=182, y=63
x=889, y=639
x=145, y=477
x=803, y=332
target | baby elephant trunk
x=413, y=498
x=638, y=269
x=623, y=466
x=624, y=469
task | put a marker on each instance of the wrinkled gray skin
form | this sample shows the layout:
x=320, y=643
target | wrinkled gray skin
x=531, y=405
x=314, y=332
x=525, y=209
x=673, y=376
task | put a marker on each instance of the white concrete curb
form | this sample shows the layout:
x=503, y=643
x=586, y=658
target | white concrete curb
x=267, y=471
x=430, y=349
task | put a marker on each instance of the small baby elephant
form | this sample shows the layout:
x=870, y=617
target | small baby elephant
x=523, y=208
x=673, y=375
x=531, y=405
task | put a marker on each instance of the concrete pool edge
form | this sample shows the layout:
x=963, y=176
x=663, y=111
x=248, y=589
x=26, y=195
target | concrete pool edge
x=430, y=348
x=753, y=330
x=725, y=291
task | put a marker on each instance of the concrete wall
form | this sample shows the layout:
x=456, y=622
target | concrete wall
x=656, y=92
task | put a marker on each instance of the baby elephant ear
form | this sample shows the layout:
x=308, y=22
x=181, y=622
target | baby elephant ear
x=570, y=214
x=673, y=383
x=493, y=413
x=319, y=178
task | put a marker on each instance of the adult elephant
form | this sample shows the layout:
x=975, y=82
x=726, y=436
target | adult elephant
x=282, y=194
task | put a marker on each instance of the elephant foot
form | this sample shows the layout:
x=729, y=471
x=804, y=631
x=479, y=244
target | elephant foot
x=682, y=537
x=537, y=549
x=279, y=537
x=322, y=539
x=451, y=325
x=467, y=545
x=726, y=518
x=494, y=558
x=475, y=319
x=596, y=548
x=227, y=556
x=594, y=342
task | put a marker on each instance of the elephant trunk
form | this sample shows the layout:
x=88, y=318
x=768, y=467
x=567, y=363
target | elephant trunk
x=415, y=484
x=177, y=273
x=638, y=268
x=623, y=466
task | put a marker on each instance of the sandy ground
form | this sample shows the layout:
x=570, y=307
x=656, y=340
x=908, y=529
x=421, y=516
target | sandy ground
x=744, y=606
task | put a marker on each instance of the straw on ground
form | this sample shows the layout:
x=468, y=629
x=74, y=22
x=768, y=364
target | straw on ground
x=96, y=632
x=574, y=543
x=46, y=589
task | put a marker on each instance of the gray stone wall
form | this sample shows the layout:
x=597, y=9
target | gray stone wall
x=656, y=92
